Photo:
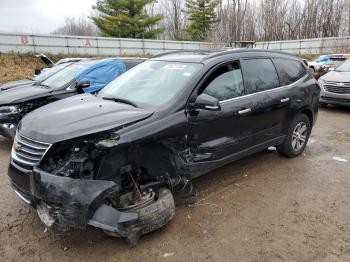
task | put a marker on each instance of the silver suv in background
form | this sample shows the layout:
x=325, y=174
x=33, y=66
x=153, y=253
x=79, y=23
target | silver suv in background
x=335, y=86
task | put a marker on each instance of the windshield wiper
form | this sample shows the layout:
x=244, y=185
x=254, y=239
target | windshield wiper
x=45, y=86
x=120, y=100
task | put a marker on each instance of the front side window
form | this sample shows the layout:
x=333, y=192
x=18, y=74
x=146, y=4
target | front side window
x=225, y=83
x=259, y=74
x=289, y=71
x=151, y=83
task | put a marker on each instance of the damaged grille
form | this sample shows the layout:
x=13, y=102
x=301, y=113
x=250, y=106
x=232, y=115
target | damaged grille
x=337, y=87
x=27, y=152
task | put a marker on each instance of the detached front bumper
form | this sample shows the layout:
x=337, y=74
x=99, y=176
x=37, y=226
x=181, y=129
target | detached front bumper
x=64, y=203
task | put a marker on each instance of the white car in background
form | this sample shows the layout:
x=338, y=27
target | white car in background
x=335, y=86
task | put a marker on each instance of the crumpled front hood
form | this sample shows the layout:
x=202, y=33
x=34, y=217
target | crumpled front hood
x=335, y=76
x=13, y=84
x=78, y=116
x=21, y=94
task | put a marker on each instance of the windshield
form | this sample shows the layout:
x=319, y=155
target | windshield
x=335, y=62
x=344, y=67
x=152, y=83
x=65, y=76
x=46, y=73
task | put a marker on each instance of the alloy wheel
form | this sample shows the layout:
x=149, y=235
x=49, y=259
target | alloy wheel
x=299, y=136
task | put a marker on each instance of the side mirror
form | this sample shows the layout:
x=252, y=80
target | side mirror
x=37, y=71
x=207, y=102
x=81, y=85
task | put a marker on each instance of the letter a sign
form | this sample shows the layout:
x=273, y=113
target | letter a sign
x=87, y=42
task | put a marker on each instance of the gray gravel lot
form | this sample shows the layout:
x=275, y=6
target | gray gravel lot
x=262, y=208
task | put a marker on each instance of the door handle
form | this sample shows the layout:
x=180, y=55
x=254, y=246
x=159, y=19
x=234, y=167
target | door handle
x=244, y=111
x=285, y=100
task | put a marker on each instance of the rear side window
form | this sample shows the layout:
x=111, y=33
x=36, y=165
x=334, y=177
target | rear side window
x=259, y=74
x=289, y=71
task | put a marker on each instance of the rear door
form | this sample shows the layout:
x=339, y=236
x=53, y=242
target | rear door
x=269, y=101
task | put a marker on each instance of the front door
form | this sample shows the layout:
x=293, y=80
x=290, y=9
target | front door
x=214, y=137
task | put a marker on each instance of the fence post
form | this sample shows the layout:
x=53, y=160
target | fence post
x=97, y=46
x=33, y=40
x=143, y=47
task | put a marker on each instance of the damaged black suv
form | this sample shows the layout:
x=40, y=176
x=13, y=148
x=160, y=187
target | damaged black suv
x=111, y=160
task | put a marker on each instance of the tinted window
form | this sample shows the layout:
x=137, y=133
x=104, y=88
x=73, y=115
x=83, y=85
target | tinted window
x=225, y=83
x=260, y=74
x=289, y=71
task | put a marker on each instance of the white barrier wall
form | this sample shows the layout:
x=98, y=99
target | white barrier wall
x=309, y=46
x=23, y=43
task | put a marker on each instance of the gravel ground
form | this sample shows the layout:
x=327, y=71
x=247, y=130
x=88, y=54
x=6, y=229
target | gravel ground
x=262, y=208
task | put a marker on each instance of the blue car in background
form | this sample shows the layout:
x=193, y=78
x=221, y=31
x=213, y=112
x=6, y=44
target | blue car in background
x=86, y=76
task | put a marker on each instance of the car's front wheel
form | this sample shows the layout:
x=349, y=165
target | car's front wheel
x=297, y=137
x=154, y=209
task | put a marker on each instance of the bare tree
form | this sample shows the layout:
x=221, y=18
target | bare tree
x=77, y=26
x=175, y=18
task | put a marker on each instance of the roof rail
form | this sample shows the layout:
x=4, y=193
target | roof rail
x=237, y=50
x=186, y=51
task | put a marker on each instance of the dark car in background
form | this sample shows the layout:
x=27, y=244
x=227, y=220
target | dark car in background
x=111, y=160
x=86, y=76
x=41, y=74
x=335, y=86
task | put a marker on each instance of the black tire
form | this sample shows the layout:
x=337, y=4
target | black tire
x=289, y=148
x=324, y=105
x=157, y=214
x=151, y=217
x=312, y=70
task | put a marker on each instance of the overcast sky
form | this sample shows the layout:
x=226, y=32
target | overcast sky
x=39, y=16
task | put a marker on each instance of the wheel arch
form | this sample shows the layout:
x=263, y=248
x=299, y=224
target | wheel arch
x=309, y=114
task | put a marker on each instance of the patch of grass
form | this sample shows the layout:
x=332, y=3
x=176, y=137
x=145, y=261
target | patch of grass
x=18, y=66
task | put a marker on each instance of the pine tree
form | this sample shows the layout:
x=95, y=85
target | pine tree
x=202, y=17
x=126, y=18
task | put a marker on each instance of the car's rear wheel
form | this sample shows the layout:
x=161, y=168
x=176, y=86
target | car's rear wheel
x=297, y=137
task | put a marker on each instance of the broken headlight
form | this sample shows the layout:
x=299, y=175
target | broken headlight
x=109, y=142
x=9, y=110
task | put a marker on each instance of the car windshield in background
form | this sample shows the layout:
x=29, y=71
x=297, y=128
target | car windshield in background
x=335, y=62
x=152, y=83
x=66, y=75
x=46, y=73
x=345, y=67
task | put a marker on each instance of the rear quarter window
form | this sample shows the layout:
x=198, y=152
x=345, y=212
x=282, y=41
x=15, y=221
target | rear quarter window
x=289, y=71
